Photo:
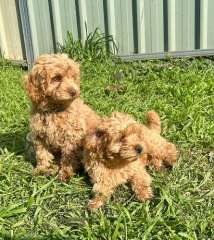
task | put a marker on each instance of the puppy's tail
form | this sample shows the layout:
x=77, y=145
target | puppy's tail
x=153, y=121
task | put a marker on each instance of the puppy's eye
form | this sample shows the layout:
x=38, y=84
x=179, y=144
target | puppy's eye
x=57, y=78
x=99, y=133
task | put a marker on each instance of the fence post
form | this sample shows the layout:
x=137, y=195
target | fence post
x=25, y=24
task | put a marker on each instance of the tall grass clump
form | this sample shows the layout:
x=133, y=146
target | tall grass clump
x=96, y=47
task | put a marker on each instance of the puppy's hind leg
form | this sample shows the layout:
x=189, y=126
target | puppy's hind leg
x=170, y=157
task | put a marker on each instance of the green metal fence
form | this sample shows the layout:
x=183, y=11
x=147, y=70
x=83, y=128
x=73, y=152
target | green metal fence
x=29, y=28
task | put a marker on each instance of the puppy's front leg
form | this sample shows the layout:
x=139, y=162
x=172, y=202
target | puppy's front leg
x=103, y=191
x=43, y=158
x=69, y=164
x=140, y=184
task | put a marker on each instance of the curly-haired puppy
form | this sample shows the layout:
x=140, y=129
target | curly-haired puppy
x=113, y=155
x=59, y=119
x=117, y=152
x=165, y=154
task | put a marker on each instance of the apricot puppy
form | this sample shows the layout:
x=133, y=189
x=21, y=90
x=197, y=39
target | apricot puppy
x=59, y=119
x=113, y=155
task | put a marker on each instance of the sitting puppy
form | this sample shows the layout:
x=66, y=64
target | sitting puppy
x=165, y=154
x=113, y=155
x=117, y=152
x=59, y=119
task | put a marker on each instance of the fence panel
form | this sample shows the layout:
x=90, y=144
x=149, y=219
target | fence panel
x=11, y=42
x=29, y=28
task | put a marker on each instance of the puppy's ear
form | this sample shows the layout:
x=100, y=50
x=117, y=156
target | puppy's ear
x=31, y=90
x=35, y=83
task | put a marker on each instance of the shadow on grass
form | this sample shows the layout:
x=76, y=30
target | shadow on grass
x=9, y=236
x=15, y=142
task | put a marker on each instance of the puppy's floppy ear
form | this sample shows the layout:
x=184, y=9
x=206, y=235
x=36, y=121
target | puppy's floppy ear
x=30, y=89
x=34, y=86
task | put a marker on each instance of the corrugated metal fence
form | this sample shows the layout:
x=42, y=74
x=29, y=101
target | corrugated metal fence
x=31, y=27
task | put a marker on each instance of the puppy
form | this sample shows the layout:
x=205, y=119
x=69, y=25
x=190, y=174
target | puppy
x=59, y=119
x=113, y=155
x=117, y=152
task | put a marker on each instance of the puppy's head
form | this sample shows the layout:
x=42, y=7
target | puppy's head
x=53, y=80
x=117, y=140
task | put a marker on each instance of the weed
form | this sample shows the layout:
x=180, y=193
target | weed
x=96, y=47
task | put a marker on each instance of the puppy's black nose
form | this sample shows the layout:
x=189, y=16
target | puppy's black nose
x=138, y=148
x=72, y=92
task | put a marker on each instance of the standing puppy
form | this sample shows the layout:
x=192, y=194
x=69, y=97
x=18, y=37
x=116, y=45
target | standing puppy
x=59, y=119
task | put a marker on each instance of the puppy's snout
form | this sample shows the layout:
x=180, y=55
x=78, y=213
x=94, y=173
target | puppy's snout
x=72, y=92
x=138, y=148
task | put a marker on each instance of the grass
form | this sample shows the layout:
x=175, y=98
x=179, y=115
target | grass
x=182, y=91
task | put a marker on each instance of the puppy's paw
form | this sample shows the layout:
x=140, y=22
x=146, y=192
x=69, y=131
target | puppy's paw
x=95, y=203
x=41, y=170
x=149, y=194
x=145, y=194
x=65, y=174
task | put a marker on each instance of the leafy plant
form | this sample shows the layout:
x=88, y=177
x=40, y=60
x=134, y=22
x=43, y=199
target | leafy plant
x=96, y=47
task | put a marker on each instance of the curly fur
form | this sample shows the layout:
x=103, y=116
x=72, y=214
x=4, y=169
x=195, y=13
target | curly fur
x=112, y=157
x=117, y=152
x=59, y=119
x=164, y=153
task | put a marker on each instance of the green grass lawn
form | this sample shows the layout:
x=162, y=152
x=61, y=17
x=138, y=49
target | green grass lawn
x=182, y=92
